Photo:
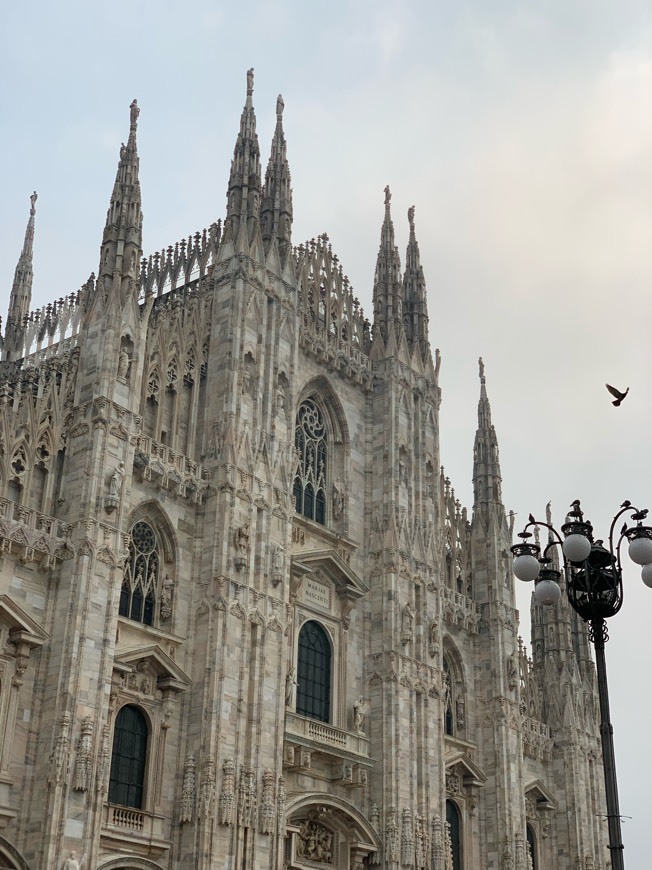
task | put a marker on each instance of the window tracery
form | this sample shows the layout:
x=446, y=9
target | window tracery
x=141, y=574
x=312, y=454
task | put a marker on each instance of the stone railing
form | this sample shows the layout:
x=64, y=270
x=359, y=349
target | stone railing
x=168, y=469
x=320, y=735
x=459, y=609
x=33, y=536
x=127, y=824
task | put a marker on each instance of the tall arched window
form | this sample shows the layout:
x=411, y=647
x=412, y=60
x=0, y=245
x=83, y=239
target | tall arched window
x=314, y=672
x=141, y=573
x=532, y=847
x=449, y=721
x=127, y=780
x=455, y=832
x=310, y=476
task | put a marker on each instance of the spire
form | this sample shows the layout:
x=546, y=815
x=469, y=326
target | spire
x=21, y=291
x=276, y=211
x=387, y=295
x=123, y=233
x=486, y=466
x=415, y=315
x=243, y=194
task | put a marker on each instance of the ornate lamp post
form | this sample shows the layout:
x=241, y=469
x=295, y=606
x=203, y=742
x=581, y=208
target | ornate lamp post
x=594, y=584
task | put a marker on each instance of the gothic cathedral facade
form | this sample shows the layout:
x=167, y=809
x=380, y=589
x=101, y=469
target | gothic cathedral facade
x=244, y=621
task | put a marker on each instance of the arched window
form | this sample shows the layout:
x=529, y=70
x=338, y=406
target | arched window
x=141, y=573
x=449, y=720
x=532, y=847
x=455, y=832
x=314, y=672
x=310, y=476
x=127, y=780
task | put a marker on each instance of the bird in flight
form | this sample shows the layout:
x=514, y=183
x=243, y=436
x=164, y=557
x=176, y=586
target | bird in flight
x=618, y=396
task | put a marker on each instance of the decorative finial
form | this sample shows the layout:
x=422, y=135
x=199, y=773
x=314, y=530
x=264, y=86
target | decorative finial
x=388, y=195
x=481, y=365
x=411, y=218
x=134, y=113
x=250, y=82
x=280, y=105
x=33, y=199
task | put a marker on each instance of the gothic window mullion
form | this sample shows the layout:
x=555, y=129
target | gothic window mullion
x=310, y=479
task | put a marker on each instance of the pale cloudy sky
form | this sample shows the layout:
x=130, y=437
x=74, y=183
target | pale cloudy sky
x=522, y=133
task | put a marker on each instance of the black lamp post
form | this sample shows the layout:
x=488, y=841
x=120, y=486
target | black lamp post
x=594, y=584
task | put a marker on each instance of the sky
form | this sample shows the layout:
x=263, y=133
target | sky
x=520, y=131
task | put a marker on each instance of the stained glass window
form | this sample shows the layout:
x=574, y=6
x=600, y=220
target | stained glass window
x=310, y=475
x=127, y=780
x=314, y=673
x=140, y=579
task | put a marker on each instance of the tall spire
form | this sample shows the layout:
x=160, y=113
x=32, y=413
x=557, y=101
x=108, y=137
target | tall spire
x=415, y=313
x=276, y=210
x=486, y=465
x=243, y=194
x=122, y=241
x=21, y=291
x=388, y=294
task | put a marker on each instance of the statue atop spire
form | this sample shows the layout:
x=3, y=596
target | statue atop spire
x=411, y=220
x=276, y=208
x=486, y=465
x=250, y=82
x=21, y=291
x=134, y=112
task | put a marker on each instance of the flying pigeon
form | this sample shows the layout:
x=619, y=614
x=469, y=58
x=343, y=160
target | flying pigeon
x=618, y=396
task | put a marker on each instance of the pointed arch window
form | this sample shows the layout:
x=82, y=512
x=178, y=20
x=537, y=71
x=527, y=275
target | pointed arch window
x=454, y=824
x=141, y=573
x=312, y=457
x=449, y=720
x=314, y=672
x=128, y=758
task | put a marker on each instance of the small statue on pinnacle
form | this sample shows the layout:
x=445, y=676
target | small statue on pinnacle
x=250, y=82
x=134, y=113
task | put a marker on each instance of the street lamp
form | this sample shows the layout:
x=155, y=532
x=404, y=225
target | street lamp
x=594, y=585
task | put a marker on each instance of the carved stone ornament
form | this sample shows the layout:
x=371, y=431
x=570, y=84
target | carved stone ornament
x=391, y=836
x=315, y=842
x=189, y=790
x=84, y=763
x=407, y=839
x=247, y=798
x=227, y=795
x=267, y=808
x=407, y=624
x=207, y=787
x=59, y=759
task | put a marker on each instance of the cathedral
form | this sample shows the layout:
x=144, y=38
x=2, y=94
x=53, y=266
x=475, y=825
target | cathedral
x=244, y=620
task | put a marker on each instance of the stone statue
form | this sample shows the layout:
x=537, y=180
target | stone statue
x=278, y=565
x=338, y=499
x=116, y=479
x=459, y=712
x=280, y=105
x=123, y=365
x=33, y=199
x=411, y=218
x=166, y=597
x=71, y=863
x=250, y=81
x=241, y=546
x=358, y=715
x=407, y=624
x=134, y=112
x=290, y=683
